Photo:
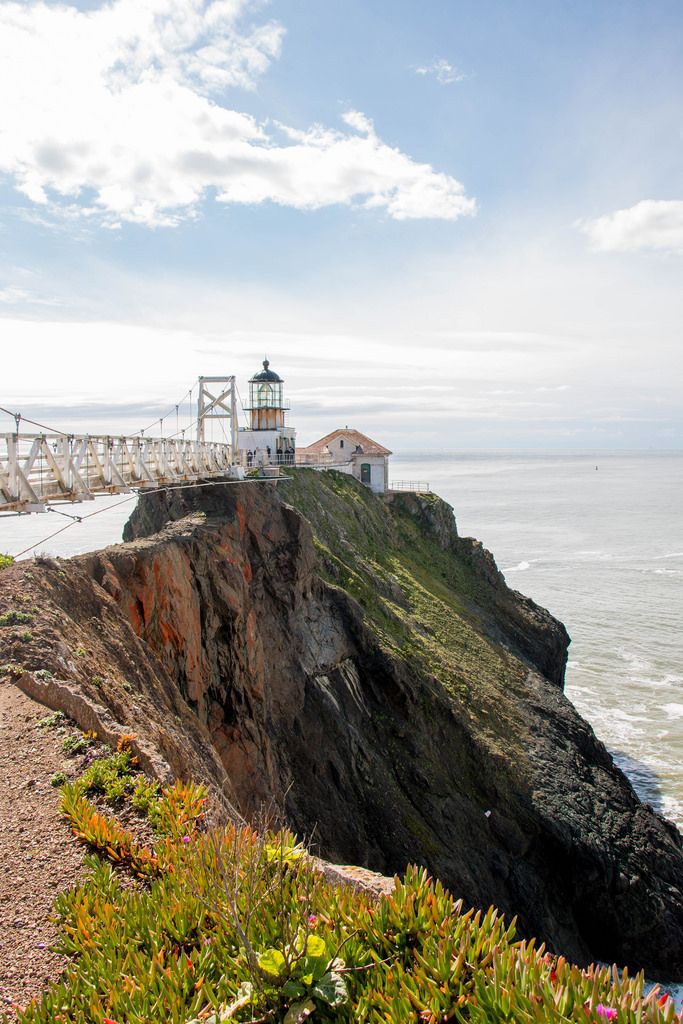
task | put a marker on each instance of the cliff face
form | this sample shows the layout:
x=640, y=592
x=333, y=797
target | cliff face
x=368, y=670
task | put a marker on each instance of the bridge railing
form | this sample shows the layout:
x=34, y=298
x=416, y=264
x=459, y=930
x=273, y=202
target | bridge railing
x=39, y=469
x=417, y=486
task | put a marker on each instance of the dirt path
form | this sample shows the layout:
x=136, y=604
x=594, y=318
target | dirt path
x=38, y=858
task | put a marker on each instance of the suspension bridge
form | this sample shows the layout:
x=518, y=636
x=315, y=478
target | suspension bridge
x=41, y=469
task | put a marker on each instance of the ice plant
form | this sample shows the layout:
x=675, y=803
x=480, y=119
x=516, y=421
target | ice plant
x=606, y=1011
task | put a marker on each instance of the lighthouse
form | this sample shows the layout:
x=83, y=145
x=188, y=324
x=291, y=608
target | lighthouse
x=268, y=440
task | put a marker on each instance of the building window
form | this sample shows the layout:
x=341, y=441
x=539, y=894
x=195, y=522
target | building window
x=365, y=473
x=341, y=442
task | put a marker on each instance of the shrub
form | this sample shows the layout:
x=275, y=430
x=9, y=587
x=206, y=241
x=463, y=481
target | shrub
x=145, y=795
x=235, y=924
x=52, y=721
x=15, y=618
x=11, y=668
x=110, y=776
x=179, y=811
x=6, y=561
x=75, y=744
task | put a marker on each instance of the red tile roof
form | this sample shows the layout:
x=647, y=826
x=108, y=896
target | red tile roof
x=354, y=438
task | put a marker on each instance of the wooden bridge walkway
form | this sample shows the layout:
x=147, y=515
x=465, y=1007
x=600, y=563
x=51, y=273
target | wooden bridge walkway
x=37, y=470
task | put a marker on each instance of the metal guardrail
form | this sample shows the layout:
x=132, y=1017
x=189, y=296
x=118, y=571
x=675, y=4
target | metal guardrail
x=40, y=469
x=418, y=486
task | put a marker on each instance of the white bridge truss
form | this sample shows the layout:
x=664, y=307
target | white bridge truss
x=41, y=469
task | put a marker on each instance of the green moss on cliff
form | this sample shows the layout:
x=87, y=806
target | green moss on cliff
x=418, y=595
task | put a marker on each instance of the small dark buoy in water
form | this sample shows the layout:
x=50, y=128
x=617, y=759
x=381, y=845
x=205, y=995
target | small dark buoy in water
x=596, y=467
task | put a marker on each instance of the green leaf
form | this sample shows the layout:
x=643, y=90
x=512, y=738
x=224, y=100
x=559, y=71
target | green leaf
x=315, y=946
x=299, y=1012
x=272, y=962
x=332, y=989
x=295, y=989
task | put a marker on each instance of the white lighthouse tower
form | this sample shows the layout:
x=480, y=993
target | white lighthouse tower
x=268, y=440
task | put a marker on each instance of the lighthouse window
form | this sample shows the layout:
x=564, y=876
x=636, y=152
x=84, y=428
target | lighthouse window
x=265, y=394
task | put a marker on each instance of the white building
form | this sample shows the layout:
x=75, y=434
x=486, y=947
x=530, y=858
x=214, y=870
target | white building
x=268, y=440
x=351, y=452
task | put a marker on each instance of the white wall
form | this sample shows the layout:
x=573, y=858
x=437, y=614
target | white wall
x=253, y=440
x=378, y=471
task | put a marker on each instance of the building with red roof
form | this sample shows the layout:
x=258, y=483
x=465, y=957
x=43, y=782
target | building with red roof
x=351, y=452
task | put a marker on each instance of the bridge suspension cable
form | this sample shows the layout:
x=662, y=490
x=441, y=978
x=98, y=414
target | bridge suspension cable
x=174, y=408
x=18, y=418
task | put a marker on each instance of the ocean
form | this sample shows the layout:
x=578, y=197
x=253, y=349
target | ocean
x=597, y=538
x=594, y=536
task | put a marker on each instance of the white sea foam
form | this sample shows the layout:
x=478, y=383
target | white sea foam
x=673, y=711
x=634, y=661
x=519, y=568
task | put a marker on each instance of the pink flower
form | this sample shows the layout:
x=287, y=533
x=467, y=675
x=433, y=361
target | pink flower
x=606, y=1011
x=185, y=839
x=313, y=920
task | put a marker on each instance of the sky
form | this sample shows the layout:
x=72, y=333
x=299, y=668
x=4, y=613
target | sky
x=453, y=224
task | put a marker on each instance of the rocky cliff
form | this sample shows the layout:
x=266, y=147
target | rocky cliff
x=358, y=663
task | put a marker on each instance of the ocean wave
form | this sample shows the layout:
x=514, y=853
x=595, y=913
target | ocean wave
x=673, y=711
x=521, y=567
x=595, y=556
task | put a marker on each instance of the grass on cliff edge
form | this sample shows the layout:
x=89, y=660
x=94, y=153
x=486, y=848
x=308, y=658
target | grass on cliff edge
x=231, y=924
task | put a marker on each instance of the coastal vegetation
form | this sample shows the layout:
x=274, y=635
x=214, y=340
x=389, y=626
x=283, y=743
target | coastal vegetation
x=209, y=924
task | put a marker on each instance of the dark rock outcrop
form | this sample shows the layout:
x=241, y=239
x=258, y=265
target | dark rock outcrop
x=366, y=669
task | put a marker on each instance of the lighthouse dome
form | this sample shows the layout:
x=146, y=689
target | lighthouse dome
x=266, y=374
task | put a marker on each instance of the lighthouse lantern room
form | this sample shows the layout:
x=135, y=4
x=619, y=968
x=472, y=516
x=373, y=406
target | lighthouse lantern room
x=268, y=440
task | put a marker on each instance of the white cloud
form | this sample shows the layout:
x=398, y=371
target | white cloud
x=359, y=122
x=650, y=224
x=444, y=72
x=115, y=112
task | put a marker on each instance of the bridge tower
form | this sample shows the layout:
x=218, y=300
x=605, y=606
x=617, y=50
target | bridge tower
x=218, y=403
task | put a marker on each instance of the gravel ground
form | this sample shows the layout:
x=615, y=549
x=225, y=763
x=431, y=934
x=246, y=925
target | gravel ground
x=38, y=857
